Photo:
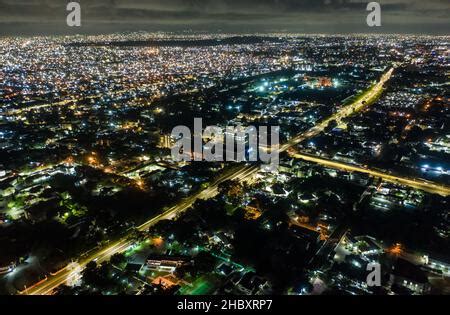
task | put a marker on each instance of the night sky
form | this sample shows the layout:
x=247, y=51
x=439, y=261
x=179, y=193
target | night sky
x=301, y=16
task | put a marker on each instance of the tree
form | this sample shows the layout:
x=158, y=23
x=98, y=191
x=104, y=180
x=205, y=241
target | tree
x=204, y=262
x=230, y=188
x=331, y=125
x=64, y=290
x=162, y=228
x=97, y=277
x=118, y=259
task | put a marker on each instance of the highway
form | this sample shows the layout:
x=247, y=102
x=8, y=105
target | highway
x=416, y=183
x=73, y=100
x=104, y=254
x=242, y=173
x=369, y=97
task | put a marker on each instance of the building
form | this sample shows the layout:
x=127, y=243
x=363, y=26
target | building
x=166, y=283
x=165, y=262
x=252, y=284
x=6, y=267
x=165, y=142
x=308, y=236
x=253, y=210
x=410, y=276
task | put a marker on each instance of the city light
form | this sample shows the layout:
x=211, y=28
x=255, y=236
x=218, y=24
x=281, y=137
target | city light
x=95, y=199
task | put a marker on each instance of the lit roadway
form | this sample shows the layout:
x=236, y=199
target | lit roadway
x=367, y=98
x=73, y=100
x=416, y=183
x=104, y=254
x=242, y=173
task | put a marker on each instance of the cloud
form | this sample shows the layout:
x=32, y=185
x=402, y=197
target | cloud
x=335, y=15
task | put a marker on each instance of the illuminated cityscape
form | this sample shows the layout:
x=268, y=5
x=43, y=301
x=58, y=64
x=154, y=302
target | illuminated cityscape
x=93, y=202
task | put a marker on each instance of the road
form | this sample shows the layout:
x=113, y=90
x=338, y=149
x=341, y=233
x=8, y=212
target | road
x=104, y=254
x=242, y=173
x=416, y=183
x=346, y=111
x=73, y=100
x=329, y=245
